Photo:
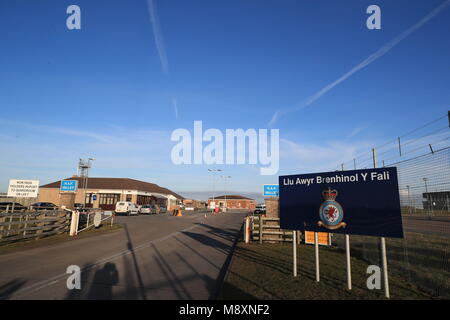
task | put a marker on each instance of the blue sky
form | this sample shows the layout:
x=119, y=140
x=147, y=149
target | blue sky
x=117, y=88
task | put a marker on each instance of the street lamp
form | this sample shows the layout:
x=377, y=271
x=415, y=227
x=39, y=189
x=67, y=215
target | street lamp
x=225, y=188
x=214, y=187
x=84, y=166
x=409, y=201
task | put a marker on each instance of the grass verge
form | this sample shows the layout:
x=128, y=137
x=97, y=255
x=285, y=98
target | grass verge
x=265, y=272
x=59, y=238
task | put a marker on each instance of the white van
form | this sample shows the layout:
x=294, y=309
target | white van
x=126, y=207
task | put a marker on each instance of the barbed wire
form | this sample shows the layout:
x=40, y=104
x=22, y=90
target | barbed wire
x=398, y=146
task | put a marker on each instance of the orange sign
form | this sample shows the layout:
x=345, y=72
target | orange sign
x=324, y=238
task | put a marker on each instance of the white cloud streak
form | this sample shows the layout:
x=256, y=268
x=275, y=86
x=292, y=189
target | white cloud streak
x=175, y=106
x=377, y=54
x=159, y=42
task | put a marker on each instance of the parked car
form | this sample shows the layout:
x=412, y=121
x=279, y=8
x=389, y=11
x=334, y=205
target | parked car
x=162, y=209
x=9, y=206
x=44, y=206
x=147, y=209
x=126, y=207
x=260, y=209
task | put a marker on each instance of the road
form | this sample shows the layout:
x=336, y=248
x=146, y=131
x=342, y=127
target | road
x=152, y=257
x=438, y=225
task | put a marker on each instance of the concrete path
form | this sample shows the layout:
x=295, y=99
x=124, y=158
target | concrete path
x=152, y=257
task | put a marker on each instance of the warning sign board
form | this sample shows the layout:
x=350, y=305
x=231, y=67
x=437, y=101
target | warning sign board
x=23, y=188
x=324, y=238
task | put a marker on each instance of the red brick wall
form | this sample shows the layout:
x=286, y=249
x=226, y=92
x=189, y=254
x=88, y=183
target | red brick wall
x=236, y=203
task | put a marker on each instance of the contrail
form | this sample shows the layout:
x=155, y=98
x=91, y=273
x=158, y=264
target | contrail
x=158, y=36
x=377, y=54
x=159, y=42
x=175, y=106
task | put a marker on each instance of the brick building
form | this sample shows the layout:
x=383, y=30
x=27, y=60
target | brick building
x=232, y=202
x=104, y=193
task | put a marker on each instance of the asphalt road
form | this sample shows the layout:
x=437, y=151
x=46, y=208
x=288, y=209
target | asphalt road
x=438, y=225
x=152, y=257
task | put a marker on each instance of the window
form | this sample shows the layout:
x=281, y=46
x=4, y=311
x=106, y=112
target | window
x=143, y=200
x=88, y=198
x=108, y=198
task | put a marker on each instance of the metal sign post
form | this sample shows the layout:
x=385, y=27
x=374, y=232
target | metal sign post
x=347, y=254
x=383, y=245
x=385, y=270
x=316, y=248
x=349, y=266
x=294, y=247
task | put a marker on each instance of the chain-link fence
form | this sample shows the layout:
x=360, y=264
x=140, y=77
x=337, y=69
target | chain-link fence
x=423, y=165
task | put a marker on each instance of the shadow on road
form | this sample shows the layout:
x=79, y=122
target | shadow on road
x=8, y=289
x=103, y=282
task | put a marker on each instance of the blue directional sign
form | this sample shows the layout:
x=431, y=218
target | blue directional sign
x=68, y=185
x=271, y=190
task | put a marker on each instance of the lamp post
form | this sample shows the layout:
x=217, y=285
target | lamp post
x=225, y=188
x=86, y=178
x=409, y=201
x=214, y=186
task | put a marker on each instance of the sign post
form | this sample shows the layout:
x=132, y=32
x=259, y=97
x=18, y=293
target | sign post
x=294, y=246
x=316, y=250
x=347, y=256
x=383, y=245
x=349, y=266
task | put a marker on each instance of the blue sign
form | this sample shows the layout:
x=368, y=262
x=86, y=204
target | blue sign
x=94, y=197
x=69, y=185
x=271, y=190
x=363, y=202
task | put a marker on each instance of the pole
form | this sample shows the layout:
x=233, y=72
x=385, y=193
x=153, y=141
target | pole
x=383, y=245
x=347, y=254
x=349, y=266
x=385, y=270
x=409, y=201
x=247, y=229
x=294, y=247
x=14, y=204
x=260, y=229
x=316, y=248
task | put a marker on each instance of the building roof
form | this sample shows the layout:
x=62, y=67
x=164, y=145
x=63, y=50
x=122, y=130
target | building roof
x=116, y=183
x=230, y=197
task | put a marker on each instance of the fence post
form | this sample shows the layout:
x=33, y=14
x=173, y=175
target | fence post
x=25, y=225
x=9, y=225
x=2, y=220
x=74, y=224
x=40, y=224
